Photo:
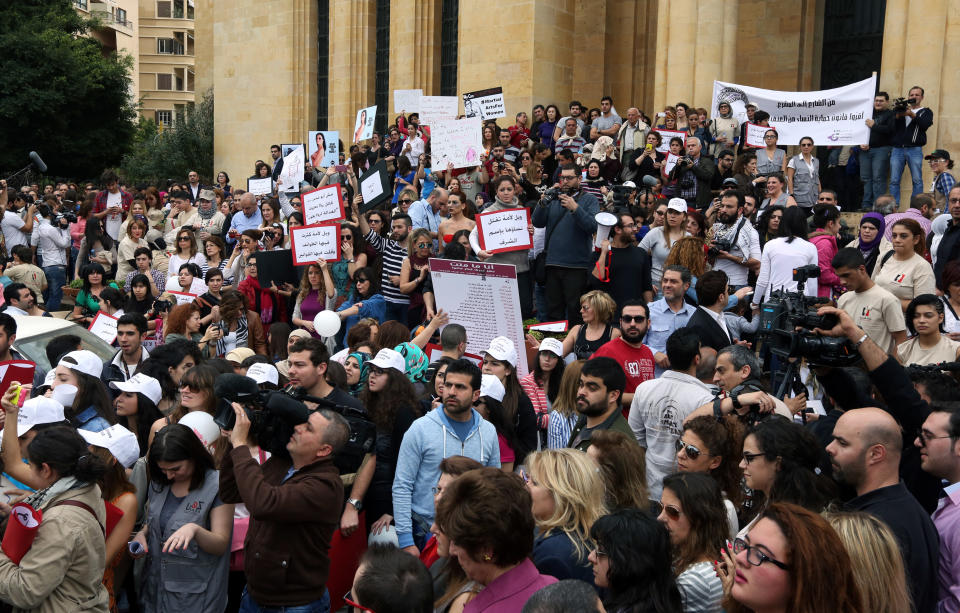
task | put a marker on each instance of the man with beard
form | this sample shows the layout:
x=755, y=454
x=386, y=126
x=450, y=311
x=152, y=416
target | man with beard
x=455, y=428
x=660, y=406
x=628, y=350
x=623, y=268
x=394, y=250
x=736, y=240
x=668, y=314
x=865, y=454
x=599, y=397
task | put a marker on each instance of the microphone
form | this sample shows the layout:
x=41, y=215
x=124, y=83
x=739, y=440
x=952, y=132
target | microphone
x=650, y=181
x=37, y=162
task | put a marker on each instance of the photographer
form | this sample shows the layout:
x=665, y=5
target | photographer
x=52, y=244
x=16, y=228
x=736, y=245
x=910, y=135
x=294, y=504
x=693, y=174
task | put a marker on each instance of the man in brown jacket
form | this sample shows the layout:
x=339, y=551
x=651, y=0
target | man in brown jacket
x=295, y=504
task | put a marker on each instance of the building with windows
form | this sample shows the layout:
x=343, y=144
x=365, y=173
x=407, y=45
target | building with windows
x=167, y=50
x=283, y=67
x=118, y=29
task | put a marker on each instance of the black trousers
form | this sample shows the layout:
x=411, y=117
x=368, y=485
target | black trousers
x=564, y=288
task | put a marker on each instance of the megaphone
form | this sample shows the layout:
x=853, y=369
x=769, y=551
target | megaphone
x=605, y=221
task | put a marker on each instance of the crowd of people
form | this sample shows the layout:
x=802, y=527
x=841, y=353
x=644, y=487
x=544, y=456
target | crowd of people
x=235, y=455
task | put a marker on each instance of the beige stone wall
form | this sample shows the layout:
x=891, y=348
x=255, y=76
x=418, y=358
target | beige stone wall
x=353, y=38
x=414, y=48
x=203, y=33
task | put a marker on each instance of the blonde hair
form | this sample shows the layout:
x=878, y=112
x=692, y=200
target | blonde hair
x=601, y=303
x=566, y=402
x=688, y=252
x=415, y=236
x=875, y=556
x=578, y=493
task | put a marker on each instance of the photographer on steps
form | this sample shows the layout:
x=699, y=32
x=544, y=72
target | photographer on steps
x=736, y=245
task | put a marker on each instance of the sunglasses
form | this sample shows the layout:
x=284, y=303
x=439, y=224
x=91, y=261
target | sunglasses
x=633, y=318
x=191, y=387
x=349, y=600
x=184, y=238
x=422, y=245
x=693, y=452
x=361, y=280
x=404, y=201
x=671, y=511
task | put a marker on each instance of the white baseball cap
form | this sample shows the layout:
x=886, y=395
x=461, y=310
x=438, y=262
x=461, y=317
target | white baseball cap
x=677, y=204
x=118, y=441
x=83, y=361
x=36, y=411
x=491, y=387
x=389, y=358
x=502, y=348
x=203, y=426
x=144, y=384
x=552, y=345
x=264, y=373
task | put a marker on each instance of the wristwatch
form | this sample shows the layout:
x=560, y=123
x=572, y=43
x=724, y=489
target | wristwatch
x=358, y=505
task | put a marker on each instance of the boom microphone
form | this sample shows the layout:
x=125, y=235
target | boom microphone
x=650, y=181
x=37, y=162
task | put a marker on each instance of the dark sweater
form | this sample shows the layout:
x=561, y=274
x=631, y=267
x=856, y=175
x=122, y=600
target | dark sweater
x=556, y=555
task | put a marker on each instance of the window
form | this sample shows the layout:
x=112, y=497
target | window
x=178, y=76
x=323, y=62
x=164, y=118
x=170, y=46
x=190, y=9
x=382, y=71
x=165, y=82
x=449, y=30
x=80, y=4
x=121, y=16
x=163, y=8
x=178, y=9
x=190, y=80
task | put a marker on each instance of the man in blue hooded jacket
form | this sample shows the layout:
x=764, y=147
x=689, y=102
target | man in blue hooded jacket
x=455, y=428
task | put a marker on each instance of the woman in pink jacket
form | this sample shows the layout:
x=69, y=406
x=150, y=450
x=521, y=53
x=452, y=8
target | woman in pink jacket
x=826, y=221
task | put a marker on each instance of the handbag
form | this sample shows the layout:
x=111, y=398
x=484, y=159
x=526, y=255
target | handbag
x=540, y=262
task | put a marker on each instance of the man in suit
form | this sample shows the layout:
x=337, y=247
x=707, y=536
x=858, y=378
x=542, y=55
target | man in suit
x=708, y=319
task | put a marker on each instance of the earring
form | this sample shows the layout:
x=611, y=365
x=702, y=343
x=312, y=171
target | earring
x=486, y=557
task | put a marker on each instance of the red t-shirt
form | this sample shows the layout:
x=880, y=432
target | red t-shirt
x=637, y=362
x=517, y=135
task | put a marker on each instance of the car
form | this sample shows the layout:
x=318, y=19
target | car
x=34, y=333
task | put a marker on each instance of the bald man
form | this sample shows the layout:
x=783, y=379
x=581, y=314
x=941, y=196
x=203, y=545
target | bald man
x=865, y=454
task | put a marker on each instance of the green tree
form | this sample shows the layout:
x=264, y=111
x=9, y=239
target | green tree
x=170, y=154
x=61, y=97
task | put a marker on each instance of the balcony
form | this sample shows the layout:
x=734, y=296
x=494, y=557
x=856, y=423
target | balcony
x=110, y=19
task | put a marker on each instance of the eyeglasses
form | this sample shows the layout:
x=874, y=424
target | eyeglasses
x=404, y=201
x=567, y=178
x=600, y=553
x=376, y=370
x=633, y=318
x=756, y=557
x=184, y=238
x=361, y=280
x=672, y=512
x=954, y=200
x=925, y=436
x=693, y=452
x=750, y=457
x=349, y=600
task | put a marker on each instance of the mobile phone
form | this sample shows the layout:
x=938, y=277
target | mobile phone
x=341, y=167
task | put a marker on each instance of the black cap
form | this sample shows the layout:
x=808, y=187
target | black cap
x=938, y=154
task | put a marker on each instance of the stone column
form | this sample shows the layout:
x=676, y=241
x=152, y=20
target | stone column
x=414, y=47
x=353, y=38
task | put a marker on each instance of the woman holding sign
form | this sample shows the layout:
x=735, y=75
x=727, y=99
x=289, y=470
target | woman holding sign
x=316, y=293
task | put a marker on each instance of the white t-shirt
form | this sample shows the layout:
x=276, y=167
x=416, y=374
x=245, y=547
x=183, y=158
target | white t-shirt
x=777, y=263
x=907, y=279
x=113, y=222
x=656, y=245
x=12, y=235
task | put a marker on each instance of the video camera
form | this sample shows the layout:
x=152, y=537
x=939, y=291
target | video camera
x=274, y=415
x=785, y=312
x=621, y=195
x=901, y=104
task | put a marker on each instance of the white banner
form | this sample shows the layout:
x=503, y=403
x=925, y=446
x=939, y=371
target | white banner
x=830, y=116
x=455, y=141
x=433, y=108
x=406, y=100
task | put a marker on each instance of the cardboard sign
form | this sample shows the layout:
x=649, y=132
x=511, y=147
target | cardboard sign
x=322, y=204
x=291, y=175
x=666, y=135
x=277, y=267
x=324, y=148
x=375, y=186
x=549, y=326
x=506, y=230
x=316, y=242
x=433, y=108
x=407, y=100
x=260, y=187
x=456, y=141
x=104, y=326
x=670, y=162
x=183, y=297
x=755, y=135
x=485, y=103
x=363, y=127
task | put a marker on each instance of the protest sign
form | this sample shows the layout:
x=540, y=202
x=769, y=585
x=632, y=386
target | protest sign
x=288, y=148
x=670, y=162
x=291, y=175
x=830, y=116
x=485, y=103
x=433, y=108
x=324, y=148
x=549, y=326
x=755, y=135
x=322, y=204
x=406, y=100
x=182, y=297
x=483, y=298
x=317, y=242
x=104, y=326
x=20, y=371
x=666, y=135
x=260, y=187
x=277, y=267
x=363, y=128
x=375, y=186
x=456, y=141
x=506, y=230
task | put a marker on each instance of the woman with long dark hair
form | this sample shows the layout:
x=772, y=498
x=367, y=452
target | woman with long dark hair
x=714, y=447
x=139, y=300
x=353, y=257
x=768, y=225
x=187, y=535
x=907, y=273
x=239, y=326
x=928, y=343
x=542, y=384
x=782, y=255
x=500, y=360
x=490, y=407
x=91, y=408
x=365, y=300
x=96, y=247
x=136, y=405
x=87, y=301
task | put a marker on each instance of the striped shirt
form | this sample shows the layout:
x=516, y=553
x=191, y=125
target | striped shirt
x=700, y=589
x=393, y=254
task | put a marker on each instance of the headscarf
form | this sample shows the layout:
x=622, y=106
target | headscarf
x=875, y=219
x=600, y=148
x=207, y=213
x=361, y=358
x=416, y=362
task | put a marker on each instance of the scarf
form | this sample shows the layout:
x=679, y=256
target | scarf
x=208, y=214
x=241, y=334
x=263, y=301
x=42, y=497
x=415, y=360
x=362, y=358
x=876, y=219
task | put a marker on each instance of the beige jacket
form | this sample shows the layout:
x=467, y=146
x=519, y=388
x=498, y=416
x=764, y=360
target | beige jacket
x=63, y=571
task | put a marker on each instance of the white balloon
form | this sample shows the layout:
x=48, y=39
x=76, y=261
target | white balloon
x=326, y=323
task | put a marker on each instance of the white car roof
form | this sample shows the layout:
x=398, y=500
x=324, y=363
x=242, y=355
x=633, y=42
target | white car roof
x=31, y=325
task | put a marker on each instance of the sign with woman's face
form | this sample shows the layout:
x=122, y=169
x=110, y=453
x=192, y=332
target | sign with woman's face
x=324, y=148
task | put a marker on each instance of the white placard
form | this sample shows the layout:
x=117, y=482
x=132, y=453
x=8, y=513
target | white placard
x=433, y=108
x=322, y=204
x=363, y=127
x=506, y=230
x=104, y=326
x=455, y=141
x=666, y=135
x=549, y=326
x=260, y=187
x=291, y=175
x=324, y=148
x=406, y=100
x=483, y=298
x=312, y=243
x=183, y=297
x=830, y=116
x=371, y=187
x=670, y=162
x=755, y=135
x=485, y=104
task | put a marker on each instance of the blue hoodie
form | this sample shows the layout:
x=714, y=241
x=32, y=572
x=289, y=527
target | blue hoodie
x=426, y=443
